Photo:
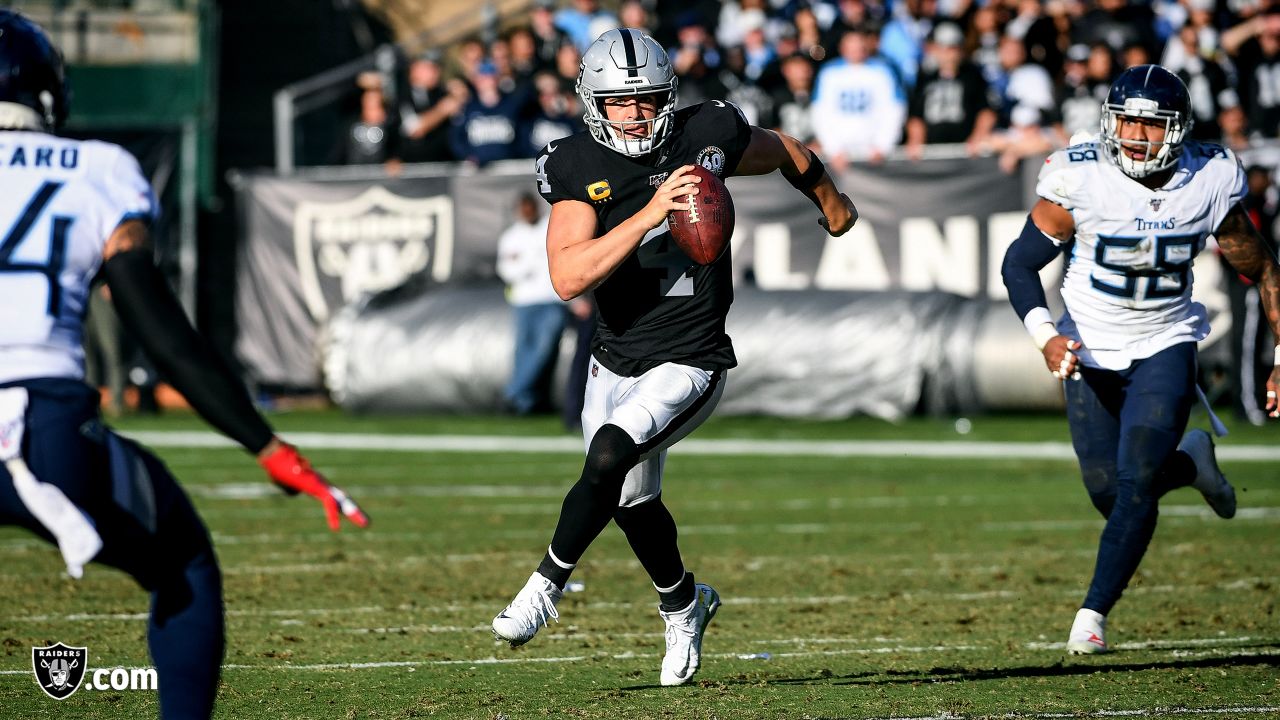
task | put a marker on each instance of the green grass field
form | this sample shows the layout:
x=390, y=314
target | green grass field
x=854, y=587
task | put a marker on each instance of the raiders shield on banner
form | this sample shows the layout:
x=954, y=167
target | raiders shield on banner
x=59, y=669
x=372, y=242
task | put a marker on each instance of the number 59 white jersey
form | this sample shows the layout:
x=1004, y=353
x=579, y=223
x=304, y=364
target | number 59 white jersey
x=60, y=200
x=1128, y=283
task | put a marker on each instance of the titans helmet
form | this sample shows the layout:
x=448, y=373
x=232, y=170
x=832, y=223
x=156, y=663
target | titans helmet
x=624, y=62
x=1147, y=91
x=33, y=87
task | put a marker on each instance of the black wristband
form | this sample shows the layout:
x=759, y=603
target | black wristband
x=811, y=176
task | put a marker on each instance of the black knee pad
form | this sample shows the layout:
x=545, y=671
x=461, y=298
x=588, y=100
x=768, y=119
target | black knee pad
x=611, y=455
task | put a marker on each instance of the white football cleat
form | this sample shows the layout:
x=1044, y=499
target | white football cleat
x=1209, y=479
x=529, y=611
x=684, y=635
x=1088, y=633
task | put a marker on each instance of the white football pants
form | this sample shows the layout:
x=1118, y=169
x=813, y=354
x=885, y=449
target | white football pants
x=656, y=409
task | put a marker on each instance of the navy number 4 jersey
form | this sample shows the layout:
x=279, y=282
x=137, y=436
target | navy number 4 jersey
x=658, y=306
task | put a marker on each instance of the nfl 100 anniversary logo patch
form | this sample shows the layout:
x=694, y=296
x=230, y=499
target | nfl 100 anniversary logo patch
x=59, y=669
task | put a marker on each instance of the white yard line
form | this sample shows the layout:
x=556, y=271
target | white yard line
x=814, y=448
x=485, y=607
x=742, y=654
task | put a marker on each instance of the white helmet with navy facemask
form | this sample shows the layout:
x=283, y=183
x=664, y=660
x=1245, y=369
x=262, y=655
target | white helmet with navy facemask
x=1148, y=92
x=626, y=63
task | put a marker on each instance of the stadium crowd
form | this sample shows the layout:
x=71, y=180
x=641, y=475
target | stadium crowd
x=856, y=79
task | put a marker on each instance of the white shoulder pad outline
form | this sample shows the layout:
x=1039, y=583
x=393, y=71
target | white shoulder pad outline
x=1066, y=171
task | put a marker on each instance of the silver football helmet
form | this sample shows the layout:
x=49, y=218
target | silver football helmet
x=625, y=62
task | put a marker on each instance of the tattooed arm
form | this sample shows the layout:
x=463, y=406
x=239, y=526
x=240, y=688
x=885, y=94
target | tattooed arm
x=1250, y=255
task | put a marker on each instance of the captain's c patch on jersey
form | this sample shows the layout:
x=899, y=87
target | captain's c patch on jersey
x=599, y=191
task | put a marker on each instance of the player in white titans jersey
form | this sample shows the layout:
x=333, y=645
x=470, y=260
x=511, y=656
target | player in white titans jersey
x=1133, y=210
x=72, y=212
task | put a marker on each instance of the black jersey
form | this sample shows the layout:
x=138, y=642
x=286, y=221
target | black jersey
x=658, y=306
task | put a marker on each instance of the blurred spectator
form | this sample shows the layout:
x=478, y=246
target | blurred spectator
x=372, y=137
x=1251, y=341
x=1206, y=82
x=758, y=55
x=1087, y=74
x=485, y=129
x=1061, y=15
x=809, y=37
x=567, y=61
x=697, y=61
x=983, y=41
x=950, y=103
x=585, y=21
x=539, y=312
x=1235, y=128
x=857, y=112
x=1200, y=23
x=1118, y=24
x=425, y=109
x=509, y=81
x=1029, y=133
x=1020, y=86
x=524, y=54
x=634, y=14
x=557, y=115
x=582, y=316
x=471, y=52
x=1255, y=48
x=850, y=14
x=547, y=38
x=903, y=38
x=1023, y=92
x=104, y=351
x=751, y=99
x=1043, y=35
x=737, y=18
x=672, y=13
x=872, y=31
x=1133, y=55
x=792, y=99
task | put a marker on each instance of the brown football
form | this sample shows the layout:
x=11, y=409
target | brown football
x=703, y=231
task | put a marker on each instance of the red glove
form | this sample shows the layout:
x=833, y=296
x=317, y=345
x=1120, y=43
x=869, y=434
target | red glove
x=294, y=474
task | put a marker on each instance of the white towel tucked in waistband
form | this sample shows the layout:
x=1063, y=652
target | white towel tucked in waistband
x=70, y=526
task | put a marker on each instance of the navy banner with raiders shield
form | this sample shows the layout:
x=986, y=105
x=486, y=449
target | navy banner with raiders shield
x=316, y=241
x=920, y=275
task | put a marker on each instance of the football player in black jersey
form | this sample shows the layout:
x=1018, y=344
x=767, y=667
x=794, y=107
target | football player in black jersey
x=661, y=352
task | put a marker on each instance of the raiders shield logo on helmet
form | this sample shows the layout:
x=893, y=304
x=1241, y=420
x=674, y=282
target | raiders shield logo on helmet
x=59, y=669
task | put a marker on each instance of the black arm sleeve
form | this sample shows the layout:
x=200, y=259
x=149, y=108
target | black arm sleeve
x=1021, y=269
x=148, y=308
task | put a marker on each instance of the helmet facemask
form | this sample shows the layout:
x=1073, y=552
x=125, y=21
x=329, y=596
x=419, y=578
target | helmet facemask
x=626, y=63
x=1159, y=155
x=613, y=133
